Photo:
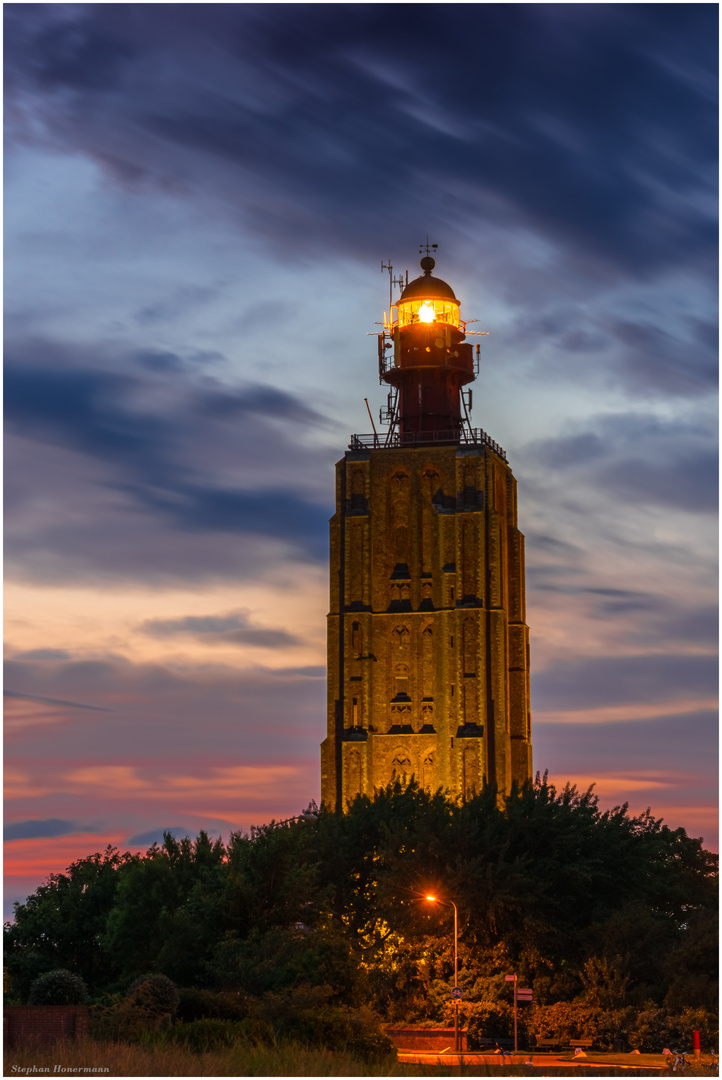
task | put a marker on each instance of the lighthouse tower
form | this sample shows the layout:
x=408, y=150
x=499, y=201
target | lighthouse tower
x=428, y=647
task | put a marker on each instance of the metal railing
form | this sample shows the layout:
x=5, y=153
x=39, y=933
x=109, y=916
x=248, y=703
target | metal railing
x=392, y=440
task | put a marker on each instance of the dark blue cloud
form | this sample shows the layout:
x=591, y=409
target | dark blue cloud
x=638, y=459
x=279, y=514
x=648, y=361
x=155, y=836
x=150, y=453
x=79, y=407
x=234, y=628
x=97, y=410
x=596, y=682
x=689, y=482
x=594, y=126
x=45, y=828
x=655, y=361
x=264, y=400
x=571, y=450
x=654, y=618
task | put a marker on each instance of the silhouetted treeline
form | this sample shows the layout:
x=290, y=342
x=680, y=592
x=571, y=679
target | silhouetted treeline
x=601, y=909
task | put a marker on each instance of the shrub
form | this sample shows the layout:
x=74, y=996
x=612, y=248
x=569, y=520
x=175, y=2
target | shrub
x=155, y=995
x=304, y=1015
x=148, y=1006
x=197, y=1004
x=119, y=1020
x=574, y=1019
x=491, y=1020
x=655, y=1029
x=208, y=1034
x=58, y=987
x=370, y=1044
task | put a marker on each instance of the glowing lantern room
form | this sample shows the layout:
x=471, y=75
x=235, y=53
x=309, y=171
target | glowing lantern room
x=428, y=299
x=431, y=360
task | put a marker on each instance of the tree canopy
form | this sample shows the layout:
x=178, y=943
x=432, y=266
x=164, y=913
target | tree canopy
x=585, y=905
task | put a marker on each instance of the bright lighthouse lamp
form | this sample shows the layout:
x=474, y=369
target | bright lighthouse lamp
x=450, y=903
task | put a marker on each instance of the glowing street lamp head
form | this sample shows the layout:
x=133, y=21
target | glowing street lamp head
x=431, y=898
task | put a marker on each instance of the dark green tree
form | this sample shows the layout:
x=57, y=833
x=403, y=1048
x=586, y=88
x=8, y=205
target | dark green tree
x=589, y=906
x=147, y=918
x=62, y=923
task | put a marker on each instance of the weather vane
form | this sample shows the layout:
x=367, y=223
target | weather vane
x=427, y=247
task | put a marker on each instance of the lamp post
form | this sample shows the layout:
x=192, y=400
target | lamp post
x=450, y=903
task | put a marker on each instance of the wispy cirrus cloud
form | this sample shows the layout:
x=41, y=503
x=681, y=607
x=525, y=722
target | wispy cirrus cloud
x=234, y=628
x=48, y=700
x=295, y=110
x=164, y=467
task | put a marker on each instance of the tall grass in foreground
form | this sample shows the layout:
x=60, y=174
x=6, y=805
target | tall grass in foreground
x=284, y=1059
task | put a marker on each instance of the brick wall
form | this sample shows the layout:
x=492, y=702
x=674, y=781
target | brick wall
x=425, y=1039
x=44, y=1024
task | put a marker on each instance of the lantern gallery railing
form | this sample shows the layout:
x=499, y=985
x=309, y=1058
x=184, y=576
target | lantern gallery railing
x=467, y=436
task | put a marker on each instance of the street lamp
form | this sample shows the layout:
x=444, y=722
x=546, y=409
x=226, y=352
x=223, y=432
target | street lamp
x=450, y=903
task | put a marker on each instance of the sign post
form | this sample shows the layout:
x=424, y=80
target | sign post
x=512, y=979
x=520, y=994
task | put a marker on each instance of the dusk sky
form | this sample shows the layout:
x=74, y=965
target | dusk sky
x=198, y=199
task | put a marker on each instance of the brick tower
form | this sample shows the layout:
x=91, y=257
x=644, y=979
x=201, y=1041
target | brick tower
x=428, y=647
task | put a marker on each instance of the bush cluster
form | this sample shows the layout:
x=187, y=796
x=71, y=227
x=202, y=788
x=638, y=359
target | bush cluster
x=653, y=1029
x=648, y=1030
x=306, y=1015
x=199, y=1004
x=208, y=1021
x=148, y=1005
x=154, y=995
x=209, y=1034
x=58, y=987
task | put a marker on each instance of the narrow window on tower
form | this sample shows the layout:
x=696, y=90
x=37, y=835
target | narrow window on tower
x=356, y=638
x=355, y=712
x=427, y=773
x=358, y=500
x=353, y=776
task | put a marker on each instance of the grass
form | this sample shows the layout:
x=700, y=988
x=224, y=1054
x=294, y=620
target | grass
x=282, y=1059
x=123, y=1059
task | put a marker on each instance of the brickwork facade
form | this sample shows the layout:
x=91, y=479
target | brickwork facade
x=426, y=1040
x=428, y=648
x=44, y=1025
